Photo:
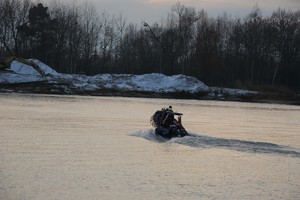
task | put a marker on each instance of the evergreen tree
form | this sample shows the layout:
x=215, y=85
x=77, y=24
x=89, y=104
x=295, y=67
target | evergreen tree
x=40, y=30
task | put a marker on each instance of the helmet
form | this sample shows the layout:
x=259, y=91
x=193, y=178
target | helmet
x=170, y=108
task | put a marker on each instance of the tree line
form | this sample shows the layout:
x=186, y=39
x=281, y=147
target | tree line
x=221, y=51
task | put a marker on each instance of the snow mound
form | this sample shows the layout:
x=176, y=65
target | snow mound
x=10, y=78
x=21, y=68
x=155, y=82
x=48, y=70
x=149, y=82
x=123, y=82
x=176, y=83
x=221, y=93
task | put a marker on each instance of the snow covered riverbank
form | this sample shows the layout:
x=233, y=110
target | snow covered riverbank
x=126, y=82
x=23, y=78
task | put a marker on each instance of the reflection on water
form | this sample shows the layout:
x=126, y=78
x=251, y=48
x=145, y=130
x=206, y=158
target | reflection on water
x=202, y=141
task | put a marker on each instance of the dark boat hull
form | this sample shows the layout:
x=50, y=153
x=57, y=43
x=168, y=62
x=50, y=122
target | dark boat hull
x=173, y=129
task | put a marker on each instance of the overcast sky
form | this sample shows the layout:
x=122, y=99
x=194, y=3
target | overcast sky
x=154, y=10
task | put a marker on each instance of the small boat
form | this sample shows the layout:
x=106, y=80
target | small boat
x=165, y=124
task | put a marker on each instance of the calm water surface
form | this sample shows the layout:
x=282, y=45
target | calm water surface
x=74, y=148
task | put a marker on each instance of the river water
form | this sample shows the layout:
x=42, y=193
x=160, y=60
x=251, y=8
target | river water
x=74, y=148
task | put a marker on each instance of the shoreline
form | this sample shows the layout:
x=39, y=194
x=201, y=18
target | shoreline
x=65, y=89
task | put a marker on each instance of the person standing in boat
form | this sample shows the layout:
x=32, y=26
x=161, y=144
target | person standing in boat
x=167, y=117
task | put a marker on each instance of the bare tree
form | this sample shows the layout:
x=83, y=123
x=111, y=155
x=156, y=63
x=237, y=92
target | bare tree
x=287, y=28
x=252, y=32
x=186, y=26
x=120, y=23
x=13, y=15
x=107, y=40
x=91, y=28
x=74, y=38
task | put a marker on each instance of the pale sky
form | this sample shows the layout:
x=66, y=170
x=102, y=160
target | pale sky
x=154, y=10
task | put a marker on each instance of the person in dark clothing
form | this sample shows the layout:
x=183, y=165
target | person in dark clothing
x=168, y=117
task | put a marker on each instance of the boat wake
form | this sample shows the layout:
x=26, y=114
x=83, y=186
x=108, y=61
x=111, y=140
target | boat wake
x=203, y=141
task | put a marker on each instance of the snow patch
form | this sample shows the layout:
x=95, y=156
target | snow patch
x=154, y=82
x=10, y=78
x=21, y=68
